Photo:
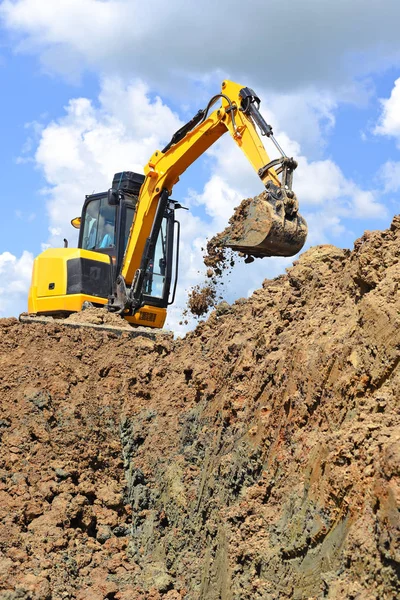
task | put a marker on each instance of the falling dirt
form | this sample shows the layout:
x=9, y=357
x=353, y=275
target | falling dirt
x=217, y=254
x=219, y=260
x=257, y=458
x=201, y=299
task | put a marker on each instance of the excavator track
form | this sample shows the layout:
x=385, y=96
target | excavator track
x=119, y=331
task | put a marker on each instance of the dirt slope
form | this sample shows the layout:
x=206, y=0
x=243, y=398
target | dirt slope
x=256, y=458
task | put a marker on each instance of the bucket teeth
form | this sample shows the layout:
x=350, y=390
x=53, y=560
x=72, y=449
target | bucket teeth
x=260, y=228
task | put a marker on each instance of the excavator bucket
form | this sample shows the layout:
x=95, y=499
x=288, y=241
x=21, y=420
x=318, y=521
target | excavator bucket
x=260, y=227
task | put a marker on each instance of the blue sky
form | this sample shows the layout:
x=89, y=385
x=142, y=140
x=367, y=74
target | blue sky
x=95, y=86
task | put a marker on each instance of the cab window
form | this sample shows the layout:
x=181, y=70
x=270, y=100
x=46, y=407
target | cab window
x=156, y=270
x=99, y=225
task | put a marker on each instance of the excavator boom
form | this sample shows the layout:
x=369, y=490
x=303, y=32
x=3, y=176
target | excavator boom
x=274, y=229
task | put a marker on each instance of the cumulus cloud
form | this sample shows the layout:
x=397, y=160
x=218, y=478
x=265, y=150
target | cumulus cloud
x=322, y=183
x=389, y=120
x=389, y=125
x=389, y=174
x=15, y=277
x=308, y=114
x=301, y=87
x=80, y=152
x=280, y=44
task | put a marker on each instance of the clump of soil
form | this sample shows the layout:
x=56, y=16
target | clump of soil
x=256, y=458
x=201, y=299
x=217, y=256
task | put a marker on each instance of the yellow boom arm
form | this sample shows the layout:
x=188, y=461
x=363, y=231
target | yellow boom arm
x=165, y=167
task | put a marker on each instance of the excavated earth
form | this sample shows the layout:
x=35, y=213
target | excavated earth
x=257, y=458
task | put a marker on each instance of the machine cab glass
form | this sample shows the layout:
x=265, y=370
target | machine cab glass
x=99, y=225
x=105, y=228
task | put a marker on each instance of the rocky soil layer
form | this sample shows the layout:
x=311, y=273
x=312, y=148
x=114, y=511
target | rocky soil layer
x=256, y=458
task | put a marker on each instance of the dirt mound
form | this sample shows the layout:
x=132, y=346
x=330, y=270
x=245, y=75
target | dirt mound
x=256, y=458
x=99, y=316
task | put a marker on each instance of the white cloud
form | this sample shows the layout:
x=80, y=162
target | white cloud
x=365, y=204
x=324, y=227
x=389, y=120
x=322, y=183
x=218, y=198
x=80, y=152
x=390, y=176
x=15, y=277
x=389, y=125
x=309, y=116
x=297, y=43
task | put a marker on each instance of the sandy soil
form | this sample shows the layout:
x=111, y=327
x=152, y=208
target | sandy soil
x=99, y=316
x=257, y=458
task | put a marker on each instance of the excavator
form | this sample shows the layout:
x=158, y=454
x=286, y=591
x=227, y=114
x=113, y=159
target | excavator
x=128, y=249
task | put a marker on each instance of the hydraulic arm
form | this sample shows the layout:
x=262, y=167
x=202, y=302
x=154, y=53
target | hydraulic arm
x=273, y=229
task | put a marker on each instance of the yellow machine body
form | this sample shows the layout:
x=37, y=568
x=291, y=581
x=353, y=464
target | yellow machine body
x=56, y=291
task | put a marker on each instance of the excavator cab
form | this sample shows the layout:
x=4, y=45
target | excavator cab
x=105, y=226
x=72, y=276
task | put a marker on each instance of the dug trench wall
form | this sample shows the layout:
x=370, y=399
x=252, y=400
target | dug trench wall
x=257, y=458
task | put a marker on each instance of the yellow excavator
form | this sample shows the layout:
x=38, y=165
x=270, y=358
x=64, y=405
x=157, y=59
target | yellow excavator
x=128, y=250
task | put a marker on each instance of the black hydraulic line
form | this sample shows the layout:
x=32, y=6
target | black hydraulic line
x=231, y=108
x=250, y=106
x=260, y=121
x=209, y=105
x=163, y=241
x=198, y=118
x=169, y=250
x=180, y=133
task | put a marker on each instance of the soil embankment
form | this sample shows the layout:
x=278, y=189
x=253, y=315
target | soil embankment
x=258, y=458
